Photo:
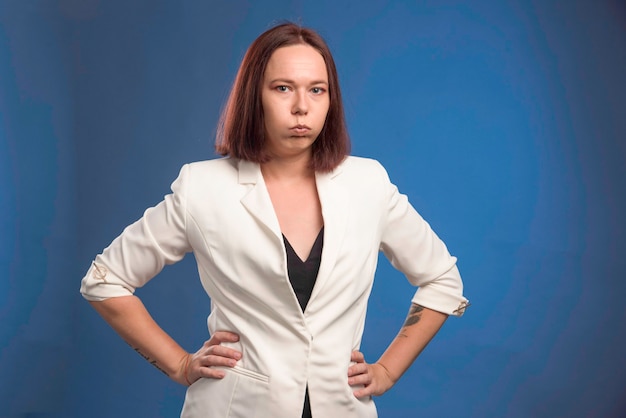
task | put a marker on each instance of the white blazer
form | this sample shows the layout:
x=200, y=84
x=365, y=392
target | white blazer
x=221, y=210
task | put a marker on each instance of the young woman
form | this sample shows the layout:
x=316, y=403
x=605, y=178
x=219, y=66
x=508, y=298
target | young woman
x=286, y=232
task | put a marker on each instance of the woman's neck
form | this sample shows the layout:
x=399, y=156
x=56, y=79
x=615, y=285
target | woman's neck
x=287, y=169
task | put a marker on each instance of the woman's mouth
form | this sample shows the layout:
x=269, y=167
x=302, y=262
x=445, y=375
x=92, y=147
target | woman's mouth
x=300, y=129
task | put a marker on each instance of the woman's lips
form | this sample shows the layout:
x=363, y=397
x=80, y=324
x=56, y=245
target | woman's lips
x=300, y=129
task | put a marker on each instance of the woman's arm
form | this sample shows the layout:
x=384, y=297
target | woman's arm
x=419, y=328
x=128, y=316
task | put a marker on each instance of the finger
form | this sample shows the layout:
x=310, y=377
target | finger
x=220, y=350
x=361, y=379
x=357, y=356
x=225, y=336
x=211, y=373
x=212, y=361
x=363, y=393
x=356, y=369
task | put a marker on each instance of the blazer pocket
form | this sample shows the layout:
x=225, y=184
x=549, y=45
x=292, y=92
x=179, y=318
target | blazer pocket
x=249, y=373
x=242, y=393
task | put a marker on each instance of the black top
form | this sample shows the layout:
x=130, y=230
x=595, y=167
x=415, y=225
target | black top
x=302, y=274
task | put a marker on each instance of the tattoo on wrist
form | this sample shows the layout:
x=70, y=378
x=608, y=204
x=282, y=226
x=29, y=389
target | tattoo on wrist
x=414, y=316
x=149, y=360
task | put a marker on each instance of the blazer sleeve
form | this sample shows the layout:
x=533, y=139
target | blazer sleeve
x=413, y=248
x=142, y=250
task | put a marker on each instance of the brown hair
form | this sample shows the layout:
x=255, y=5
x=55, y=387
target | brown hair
x=241, y=129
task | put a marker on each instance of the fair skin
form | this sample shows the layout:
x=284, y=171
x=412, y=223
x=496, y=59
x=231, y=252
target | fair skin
x=295, y=103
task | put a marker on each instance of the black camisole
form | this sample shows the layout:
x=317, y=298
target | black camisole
x=302, y=274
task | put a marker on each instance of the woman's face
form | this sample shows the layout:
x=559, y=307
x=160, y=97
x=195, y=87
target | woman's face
x=295, y=100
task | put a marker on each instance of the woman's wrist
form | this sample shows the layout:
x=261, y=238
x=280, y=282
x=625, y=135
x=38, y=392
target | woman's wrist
x=182, y=374
x=386, y=375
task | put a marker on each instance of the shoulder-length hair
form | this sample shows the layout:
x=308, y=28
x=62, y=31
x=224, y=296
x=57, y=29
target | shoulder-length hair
x=241, y=128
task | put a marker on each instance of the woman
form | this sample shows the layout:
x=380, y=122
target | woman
x=286, y=232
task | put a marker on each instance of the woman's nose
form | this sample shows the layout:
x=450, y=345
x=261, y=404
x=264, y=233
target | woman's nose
x=300, y=105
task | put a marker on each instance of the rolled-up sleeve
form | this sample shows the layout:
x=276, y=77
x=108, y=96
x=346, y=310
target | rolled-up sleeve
x=413, y=248
x=142, y=250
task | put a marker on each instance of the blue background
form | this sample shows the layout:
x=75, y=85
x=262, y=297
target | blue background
x=504, y=122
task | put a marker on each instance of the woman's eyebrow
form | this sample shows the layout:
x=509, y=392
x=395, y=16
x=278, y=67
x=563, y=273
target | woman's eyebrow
x=288, y=81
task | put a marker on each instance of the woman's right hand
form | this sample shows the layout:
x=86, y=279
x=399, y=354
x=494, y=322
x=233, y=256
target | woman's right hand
x=212, y=353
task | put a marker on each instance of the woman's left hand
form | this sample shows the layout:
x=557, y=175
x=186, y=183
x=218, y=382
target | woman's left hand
x=374, y=377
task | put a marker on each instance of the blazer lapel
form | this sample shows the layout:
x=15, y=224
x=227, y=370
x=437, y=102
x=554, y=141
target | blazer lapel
x=335, y=210
x=257, y=201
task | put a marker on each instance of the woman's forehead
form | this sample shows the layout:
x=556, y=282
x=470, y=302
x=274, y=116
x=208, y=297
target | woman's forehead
x=296, y=61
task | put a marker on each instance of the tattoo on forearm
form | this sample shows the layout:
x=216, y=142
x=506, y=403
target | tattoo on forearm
x=149, y=360
x=414, y=316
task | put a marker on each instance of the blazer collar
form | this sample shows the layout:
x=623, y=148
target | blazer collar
x=250, y=172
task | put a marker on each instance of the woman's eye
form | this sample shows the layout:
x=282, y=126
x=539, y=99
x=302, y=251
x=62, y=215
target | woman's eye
x=317, y=90
x=282, y=88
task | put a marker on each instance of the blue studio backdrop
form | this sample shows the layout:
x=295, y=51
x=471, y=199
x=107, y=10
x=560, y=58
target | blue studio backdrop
x=504, y=122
